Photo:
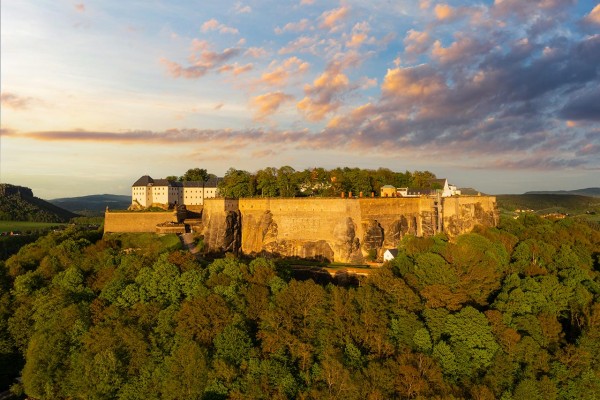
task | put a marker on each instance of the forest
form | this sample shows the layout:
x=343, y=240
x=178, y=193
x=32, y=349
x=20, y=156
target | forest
x=511, y=312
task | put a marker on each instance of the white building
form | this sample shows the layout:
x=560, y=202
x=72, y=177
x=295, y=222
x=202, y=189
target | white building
x=436, y=186
x=390, y=254
x=147, y=191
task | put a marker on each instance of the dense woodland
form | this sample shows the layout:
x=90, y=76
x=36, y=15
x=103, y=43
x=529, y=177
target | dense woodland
x=287, y=182
x=508, y=313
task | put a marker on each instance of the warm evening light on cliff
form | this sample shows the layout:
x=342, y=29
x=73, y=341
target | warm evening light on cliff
x=502, y=95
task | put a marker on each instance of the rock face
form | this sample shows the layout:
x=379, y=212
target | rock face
x=344, y=230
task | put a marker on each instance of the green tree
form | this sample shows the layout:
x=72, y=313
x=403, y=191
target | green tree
x=236, y=184
x=195, y=174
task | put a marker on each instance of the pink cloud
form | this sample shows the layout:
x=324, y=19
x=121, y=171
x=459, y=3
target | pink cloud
x=256, y=52
x=214, y=25
x=279, y=73
x=331, y=19
x=444, y=12
x=413, y=82
x=203, y=60
x=268, y=103
x=321, y=96
x=464, y=47
x=80, y=7
x=15, y=102
x=360, y=35
x=303, y=44
x=300, y=26
x=416, y=42
x=594, y=16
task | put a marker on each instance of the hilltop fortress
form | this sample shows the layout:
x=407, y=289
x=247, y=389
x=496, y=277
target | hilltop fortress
x=335, y=229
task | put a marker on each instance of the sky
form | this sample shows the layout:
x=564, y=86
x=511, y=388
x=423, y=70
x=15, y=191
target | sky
x=499, y=95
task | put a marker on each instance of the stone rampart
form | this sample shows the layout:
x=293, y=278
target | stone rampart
x=136, y=221
x=346, y=230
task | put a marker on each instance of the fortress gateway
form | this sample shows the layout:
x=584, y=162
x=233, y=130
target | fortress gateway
x=336, y=229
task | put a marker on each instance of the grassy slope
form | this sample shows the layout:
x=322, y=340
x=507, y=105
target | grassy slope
x=8, y=226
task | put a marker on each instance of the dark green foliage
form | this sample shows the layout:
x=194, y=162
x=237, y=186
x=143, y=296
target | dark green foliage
x=21, y=205
x=287, y=182
x=510, y=312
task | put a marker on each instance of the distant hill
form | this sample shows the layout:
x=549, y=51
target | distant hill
x=17, y=203
x=93, y=205
x=568, y=203
x=591, y=192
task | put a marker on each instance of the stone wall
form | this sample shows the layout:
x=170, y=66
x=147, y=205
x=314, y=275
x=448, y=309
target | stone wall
x=136, y=221
x=345, y=230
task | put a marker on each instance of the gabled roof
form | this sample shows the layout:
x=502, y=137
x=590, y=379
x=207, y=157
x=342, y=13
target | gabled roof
x=147, y=180
x=388, y=186
x=393, y=252
x=143, y=181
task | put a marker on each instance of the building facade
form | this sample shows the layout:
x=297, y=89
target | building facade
x=436, y=186
x=147, y=191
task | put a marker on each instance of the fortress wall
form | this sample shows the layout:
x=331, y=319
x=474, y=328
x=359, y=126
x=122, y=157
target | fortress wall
x=463, y=213
x=345, y=230
x=300, y=227
x=135, y=221
x=386, y=220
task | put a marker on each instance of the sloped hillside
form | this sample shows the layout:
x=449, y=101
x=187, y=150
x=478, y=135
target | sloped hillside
x=17, y=203
x=93, y=205
x=591, y=192
x=562, y=202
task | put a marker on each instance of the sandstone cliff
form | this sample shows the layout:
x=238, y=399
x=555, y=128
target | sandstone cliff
x=344, y=230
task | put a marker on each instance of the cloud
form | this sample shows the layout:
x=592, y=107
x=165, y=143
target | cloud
x=359, y=35
x=594, y=16
x=303, y=44
x=235, y=68
x=80, y=7
x=204, y=60
x=8, y=132
x=300, y=26
x=324, y=95
x=268, y=103
x=583, y=105
x=306, y=2
x=256, y=52
x=527, y=9
x=443, y=12
x=239, y=8
x=16, y=102
x=413, y=82
x=424, y=4
x=464, y=47
x=331, y=20
x=416, y=42
x=214, y=25
x=279, y=73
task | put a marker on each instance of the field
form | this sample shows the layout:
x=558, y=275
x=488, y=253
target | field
x=21, y=226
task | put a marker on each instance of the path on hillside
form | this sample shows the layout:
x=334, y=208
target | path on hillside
x=187, y=239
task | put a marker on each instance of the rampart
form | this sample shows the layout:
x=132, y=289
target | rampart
x=345, y=230
x=115, y=221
